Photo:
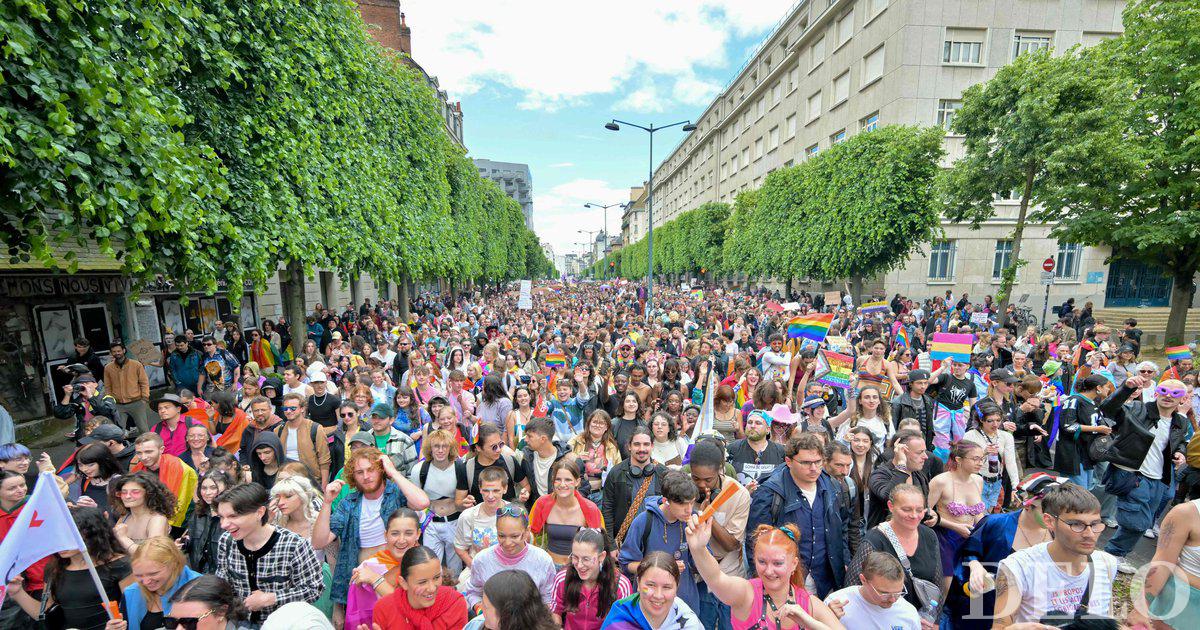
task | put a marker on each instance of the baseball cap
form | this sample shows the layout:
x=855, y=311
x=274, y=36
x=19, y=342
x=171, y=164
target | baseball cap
x=382, y=410
x=918, y=375
x=1004, y=375
x=1038, y=483
x=363, y=436
x=336, y=335
x=812, y=401
x=83, y=378
x=318, y=377
x=104, y=433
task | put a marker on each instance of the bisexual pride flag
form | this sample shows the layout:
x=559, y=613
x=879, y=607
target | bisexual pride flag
x=952, y=346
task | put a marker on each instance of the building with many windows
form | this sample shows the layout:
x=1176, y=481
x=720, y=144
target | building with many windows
x=514, y=179
x=835, y=68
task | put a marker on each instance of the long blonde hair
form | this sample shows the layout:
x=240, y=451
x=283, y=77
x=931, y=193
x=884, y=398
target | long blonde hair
x=160, y=549
x=300, y=487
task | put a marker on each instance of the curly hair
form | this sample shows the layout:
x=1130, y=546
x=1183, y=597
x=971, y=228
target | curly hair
x=302, y=488
x=159, y=498
x=369, y=453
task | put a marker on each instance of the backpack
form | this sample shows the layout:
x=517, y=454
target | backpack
x=313, y=427
x=459, y=471
x=467, y=476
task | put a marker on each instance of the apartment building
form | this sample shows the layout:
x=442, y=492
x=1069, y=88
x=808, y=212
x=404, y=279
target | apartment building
x=835, y=68
x=516, y=181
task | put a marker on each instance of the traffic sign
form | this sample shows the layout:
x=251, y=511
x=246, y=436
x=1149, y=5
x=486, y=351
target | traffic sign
x=1047, y=278
x=1048, y=264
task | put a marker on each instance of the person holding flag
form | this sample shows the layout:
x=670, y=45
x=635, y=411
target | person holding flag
x=179, y=478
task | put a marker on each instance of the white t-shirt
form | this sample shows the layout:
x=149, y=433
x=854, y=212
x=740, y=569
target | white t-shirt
x=1046, y=587
x=371, y=528
x=1152, y=466
x=292, y=448
x=475, y=530
x=863, y=615
x=810, y=496
x=542, y=468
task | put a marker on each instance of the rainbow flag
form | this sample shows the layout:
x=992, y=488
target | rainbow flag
x=902, y=340
x=1087, y=345
x=838, y=369
x=556, y=360
x=1169, y=374
x=698, y=294
x=1175, y=353
x=952, y=346
x=875, y=307
x=814, y=326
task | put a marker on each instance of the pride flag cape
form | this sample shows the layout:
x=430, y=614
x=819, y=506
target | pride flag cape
x=1175, y=353
x=814, y=326
x=952, y=346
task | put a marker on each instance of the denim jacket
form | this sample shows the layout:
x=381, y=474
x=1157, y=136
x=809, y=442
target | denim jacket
x=343, y=523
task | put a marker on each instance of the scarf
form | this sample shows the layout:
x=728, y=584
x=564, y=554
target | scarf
x=448, y=612
x=231, y=438
x=386, y=558
x=261, y=354
x=180, y=479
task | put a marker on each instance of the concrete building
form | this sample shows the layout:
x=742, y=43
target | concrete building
x=633, y=217
x=514, y=179
x=386, y=23
x=834, y=68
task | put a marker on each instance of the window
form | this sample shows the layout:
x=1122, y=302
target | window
x=791, y=126
x=745, y=157
x=841, y=88
x=812, y=151
x=758, y=148
x=1092, y=38
x=845, y=28
x=877, y=6
x=814, y=106
x=773, y=139
x=941, y=260
x=945, y=112
x=838, y=137
x=963, y=45
x=791, y=80
x=1002, y=259
x=776, y=94
x=872, y=66
x=1069, y=255
x=1025, y=42
x=817, y=53
x=869, y=123
x=762, y=106
x=733, y=165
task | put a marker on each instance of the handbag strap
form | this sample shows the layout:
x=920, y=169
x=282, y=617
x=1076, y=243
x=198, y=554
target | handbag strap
x=1087, y=592
x=638, y=499
x=887, y=530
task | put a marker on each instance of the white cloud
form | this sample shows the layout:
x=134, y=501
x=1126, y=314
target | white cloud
x=556, y=53
x=643, y=100
x=558, y=213
x=562, y=165
x=693, y=91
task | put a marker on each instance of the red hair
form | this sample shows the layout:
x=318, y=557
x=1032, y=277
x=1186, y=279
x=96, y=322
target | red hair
x=782, y=538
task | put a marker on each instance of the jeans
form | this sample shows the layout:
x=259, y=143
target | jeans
x=439, y=537
x=714, y=614
x=138, y=411
x=1086, y=478
x=1108, y=502
x=991, y=492
x=1135, y=512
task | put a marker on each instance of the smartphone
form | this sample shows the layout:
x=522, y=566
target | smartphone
x=525, y=379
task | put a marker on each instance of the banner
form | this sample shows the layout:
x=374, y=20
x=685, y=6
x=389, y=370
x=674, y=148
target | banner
x=875, y=307
x=525, y=298
x=43, y=528
x=841, y=369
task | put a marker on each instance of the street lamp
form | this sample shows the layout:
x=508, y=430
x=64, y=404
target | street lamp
x=592, y=245
x=615, y=125
x=607, y=235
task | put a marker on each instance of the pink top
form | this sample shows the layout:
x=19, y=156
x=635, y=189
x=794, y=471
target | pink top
x=586, y=616
x=757, y=620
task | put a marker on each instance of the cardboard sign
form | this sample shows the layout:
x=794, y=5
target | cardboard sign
x=980, y=318
x=144, y=351
x=833, y=298
x=841, y=369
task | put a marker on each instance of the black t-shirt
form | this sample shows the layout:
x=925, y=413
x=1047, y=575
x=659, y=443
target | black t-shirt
x=752, y=465
x=515, y=475
x=623, y=432
x=323, y=409
x=954, y=392
x=926, y=562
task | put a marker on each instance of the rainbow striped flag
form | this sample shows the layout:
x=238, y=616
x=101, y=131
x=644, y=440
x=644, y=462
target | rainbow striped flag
x=1175, y=353
x=1169, y=374
x=902, y=338
x=1087, y=345
x=952, y=346
x=698, y=294
x=875, y=307
x=556, y=360
x=814, y=326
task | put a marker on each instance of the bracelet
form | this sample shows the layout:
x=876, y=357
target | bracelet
x=377, y=582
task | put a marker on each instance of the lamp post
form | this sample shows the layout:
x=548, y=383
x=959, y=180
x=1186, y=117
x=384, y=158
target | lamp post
x=607, y=234
x=615, y=125
x=592, y=245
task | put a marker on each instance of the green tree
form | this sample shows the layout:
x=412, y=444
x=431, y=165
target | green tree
x=1135, y=187
x=1020, y=128
x=856, y=210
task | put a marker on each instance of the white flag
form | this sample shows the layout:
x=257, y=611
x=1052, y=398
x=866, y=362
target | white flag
x=704, y=424
x=43, y=528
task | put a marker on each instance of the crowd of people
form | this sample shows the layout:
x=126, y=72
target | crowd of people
x=587, y=464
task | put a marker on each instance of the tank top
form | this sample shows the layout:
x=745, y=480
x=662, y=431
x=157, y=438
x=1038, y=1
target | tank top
x=1189, y=555
x=757, y=619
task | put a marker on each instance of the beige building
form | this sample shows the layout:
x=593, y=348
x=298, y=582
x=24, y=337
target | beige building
x=834, y=68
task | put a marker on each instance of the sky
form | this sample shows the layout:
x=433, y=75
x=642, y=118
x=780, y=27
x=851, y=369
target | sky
x=538, y=79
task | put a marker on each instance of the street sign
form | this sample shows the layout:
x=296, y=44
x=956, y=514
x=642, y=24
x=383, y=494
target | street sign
x=1048, y=277
x=1048, y=265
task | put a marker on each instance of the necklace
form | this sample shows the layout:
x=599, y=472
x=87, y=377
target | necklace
x=1028, y=542
x=320, y=403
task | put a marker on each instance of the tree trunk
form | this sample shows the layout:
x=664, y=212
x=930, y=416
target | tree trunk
x=295, y=306
x=856, y=288
x=1014, y=264
x=787, y=290
x=402, y=297
x=1181, y=300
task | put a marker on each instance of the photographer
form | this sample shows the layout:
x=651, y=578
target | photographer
x=82, y=401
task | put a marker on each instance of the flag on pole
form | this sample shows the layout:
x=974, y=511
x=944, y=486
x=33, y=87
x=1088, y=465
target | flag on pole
x=43, y=528
x=874, y=307
x=814, y=326
x=900, y=335
x=1175, y=353
x=704, y=424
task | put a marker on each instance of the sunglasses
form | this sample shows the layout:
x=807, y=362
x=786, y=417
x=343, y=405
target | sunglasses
x=290, y=408
x=349, y=414
x=513, y=511
x=1170, y=391
x=187, y=623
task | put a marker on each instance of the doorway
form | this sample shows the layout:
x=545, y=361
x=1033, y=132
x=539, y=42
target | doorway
x=1133, y=283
